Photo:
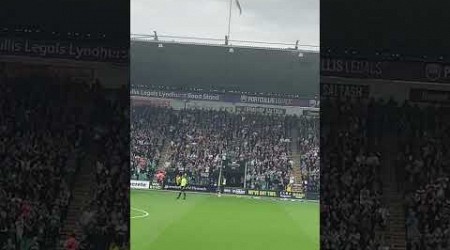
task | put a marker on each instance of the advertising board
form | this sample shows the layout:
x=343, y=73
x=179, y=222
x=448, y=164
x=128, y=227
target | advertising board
x=139, y=184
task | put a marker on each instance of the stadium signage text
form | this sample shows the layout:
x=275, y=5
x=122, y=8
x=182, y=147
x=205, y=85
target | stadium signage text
x=430, y=96
x=266, y=100
x=389, y=70
x=139, y=184
x=261, y=110
x=262, y=193
x=64, y=50
x=284, y=195
x=177, y=95
x=296, y=195
x=344, y=90
x=155, y=186
x=353, y=67
x=192, y=188
x=156, y=102
x=435, y=72
x=235, y=191
x=314, y=113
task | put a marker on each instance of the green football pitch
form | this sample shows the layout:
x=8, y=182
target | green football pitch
x=205, y=222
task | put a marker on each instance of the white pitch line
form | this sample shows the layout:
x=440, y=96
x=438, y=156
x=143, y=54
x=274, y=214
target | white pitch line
x=145, y=213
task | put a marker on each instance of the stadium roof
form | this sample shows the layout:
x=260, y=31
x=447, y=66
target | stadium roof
x=215, y=66
x=54, y=19
x=412, y=29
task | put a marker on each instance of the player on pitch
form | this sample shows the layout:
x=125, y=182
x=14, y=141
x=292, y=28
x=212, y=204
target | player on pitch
x=183, y=184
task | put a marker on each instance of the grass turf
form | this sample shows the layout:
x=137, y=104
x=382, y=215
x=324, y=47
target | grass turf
x=205, y=222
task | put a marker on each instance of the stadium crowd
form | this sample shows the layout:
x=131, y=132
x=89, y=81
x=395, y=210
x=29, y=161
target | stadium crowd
x=203, y=137
x=148, y=134
x=351, y=189
x=420, y=136
x=45, y=134
x=424, y=159
x=200, y=141
x=41, y=132
x=105, y=217
x=309, y=145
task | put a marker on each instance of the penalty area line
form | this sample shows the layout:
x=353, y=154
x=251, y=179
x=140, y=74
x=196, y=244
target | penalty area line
x=145, y=213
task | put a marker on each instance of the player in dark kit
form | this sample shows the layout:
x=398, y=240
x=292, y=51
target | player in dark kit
x=183, y=184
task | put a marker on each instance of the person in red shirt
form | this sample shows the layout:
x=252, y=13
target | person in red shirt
x=26, y=209
x=160, y=177
x=71, y=243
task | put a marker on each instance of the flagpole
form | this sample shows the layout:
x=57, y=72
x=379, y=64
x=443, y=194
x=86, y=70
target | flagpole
x=229, y=19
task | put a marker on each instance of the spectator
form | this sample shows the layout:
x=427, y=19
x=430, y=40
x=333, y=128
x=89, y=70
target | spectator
x=424, y=159
x=106, y=216
x=40, y=138
x=350, y=186
x=71, y=243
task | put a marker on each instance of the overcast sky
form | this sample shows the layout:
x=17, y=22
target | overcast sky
x=261, y=20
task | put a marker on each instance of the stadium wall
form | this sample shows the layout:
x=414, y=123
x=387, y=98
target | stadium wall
x=111, y=76
x=416, y=81
x=210, y=105
x=178, y=104
x=377, y=88
x=146, y=185
x=81, y=60
x=222, y=97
